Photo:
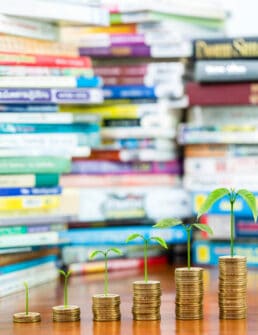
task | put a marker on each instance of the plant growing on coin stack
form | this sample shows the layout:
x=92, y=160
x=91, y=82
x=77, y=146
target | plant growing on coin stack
x=66, y=312
x=106, y=307
x=232, y=268
x=146, y=293
x=189, y=280
x=26, y=317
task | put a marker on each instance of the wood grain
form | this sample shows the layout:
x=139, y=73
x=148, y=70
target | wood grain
x=83, y=287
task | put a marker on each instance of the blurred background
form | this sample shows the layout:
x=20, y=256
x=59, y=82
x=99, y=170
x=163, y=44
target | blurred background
x=115, y=115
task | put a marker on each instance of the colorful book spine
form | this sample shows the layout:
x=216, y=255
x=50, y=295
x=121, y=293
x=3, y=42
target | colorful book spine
x=222, y=94
x=29, y=180
x=117, y=235
x=34, y=71
x=226, y=71
x=49, y=82
x=27, y=191
x=115, y=265
x=108, y=167
x=128, y=92
x=20, y=230
x=34, y=108
x=116, y=51
x=121, y=70
x=226, y=48
x=119, y=180
x=138, y=132
x=208, y=253
x=31, y=203
x=246, y=227
x=44, y=95
x=25, y=165
x=20, y=59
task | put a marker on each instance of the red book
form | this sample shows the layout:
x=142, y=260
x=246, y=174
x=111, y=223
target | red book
x=222, y=94
x=8, y=58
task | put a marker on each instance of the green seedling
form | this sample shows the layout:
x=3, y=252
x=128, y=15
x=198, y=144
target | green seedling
x=173, y=222
x=105, y=254
x=146, y=242
x=66, y=276
x=217, y=194
x=26, y=298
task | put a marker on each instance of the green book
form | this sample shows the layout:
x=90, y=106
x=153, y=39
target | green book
x=33, y=164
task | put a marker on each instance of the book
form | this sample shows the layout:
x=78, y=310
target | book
x=28, y=28
x=56, y=12
x=34, y=108
x=226, y=48
x=14, y=230
x=222, y=94
x=154, y=202
x=117, y=235
x=18, y=240
x=29, y=180
x=44, y=95
x=17, y=191
x=49, y=82
x=235, y=134
x=137, y=132
x=222, y=206
x=225, y=70
x=114, y=265
x=43, y=60
x=25, y=165
x=8, y=205
x=119, y=180
x=122, y=168
x=208, y=253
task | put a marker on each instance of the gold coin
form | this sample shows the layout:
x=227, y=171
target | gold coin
x=26, y=318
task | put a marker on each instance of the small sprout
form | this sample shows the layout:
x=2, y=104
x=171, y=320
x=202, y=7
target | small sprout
x=145, y=250
x=173, y=222
x=66, y=276
x=105, y=254
x=26, y=298
x=215, y=195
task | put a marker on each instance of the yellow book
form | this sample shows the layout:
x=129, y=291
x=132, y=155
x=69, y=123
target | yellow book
x=116, y=29
x=42, y=202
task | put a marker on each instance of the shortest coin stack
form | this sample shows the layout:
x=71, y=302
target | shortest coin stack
x=106, y=307
x=189, y=293
x=146, y=300
x=26, y=318
x=232, y=287
x=66, y=314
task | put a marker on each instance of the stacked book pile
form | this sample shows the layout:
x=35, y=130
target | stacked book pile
x=221, y=133
x=38, y=73
x=135, y=176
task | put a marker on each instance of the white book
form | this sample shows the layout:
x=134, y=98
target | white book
x=50, y=237
x=137, y=132
x=38, y=82
x=28, y=28
x=55, y=11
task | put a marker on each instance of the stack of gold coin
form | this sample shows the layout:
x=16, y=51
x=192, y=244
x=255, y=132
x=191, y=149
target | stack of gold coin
x=232, y=287
x=66, y=313
x=189, y=293
x=146, y=300
x=24, y=318
x=106, y=307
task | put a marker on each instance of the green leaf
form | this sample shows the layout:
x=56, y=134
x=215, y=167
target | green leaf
x=160, y=241
x=211, y=199
x=203, y=227
x=95, y=253
x=115, y=250
x=62, y=273
x=68, y=274
x=167, y=223
x=133, y=237
x=250, y=200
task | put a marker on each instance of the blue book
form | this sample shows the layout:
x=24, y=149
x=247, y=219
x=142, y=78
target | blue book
x=14, y=108
x=222, y=206
x=208, y=252
x=25, y=191
x=118, y=235
x=129, y=92
x=27, y=264
x=89, y=82
x=20, y=128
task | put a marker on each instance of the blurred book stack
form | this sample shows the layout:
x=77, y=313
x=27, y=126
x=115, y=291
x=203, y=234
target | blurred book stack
x=38, y=73
x=221, y=133
x=142, y=57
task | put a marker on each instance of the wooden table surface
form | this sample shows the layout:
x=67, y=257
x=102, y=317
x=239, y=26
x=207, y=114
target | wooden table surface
x=81, y=288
